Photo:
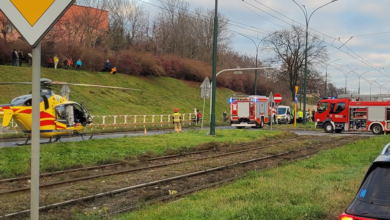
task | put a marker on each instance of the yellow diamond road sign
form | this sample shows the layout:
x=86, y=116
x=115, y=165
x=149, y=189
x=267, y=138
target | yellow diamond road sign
x=34, y=18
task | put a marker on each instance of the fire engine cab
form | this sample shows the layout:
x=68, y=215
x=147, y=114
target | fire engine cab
x=346, y=115
x=253, y=111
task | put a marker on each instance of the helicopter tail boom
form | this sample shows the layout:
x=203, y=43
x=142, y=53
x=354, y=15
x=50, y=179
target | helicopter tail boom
x=6, y=113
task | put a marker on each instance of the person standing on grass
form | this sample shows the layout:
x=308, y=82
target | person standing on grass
x=78, y=64
x=21, y=57
x=198, y=116
x=312, y=114
x=56, y=60
x=70, y=63
x=107, y=66
x=224, y=116
x=29, y=55
x=176, y=119
x=14, y=57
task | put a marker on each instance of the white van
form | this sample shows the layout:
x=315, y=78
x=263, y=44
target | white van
x=285, y=115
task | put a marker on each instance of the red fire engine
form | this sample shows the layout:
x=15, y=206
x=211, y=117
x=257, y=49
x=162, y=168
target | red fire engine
x=251, y=111
x=345, y=115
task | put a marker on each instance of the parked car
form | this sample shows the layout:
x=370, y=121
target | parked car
x=372, y=201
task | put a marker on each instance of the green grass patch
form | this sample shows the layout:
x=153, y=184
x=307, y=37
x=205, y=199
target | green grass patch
x=317, y=188
x=59, y=156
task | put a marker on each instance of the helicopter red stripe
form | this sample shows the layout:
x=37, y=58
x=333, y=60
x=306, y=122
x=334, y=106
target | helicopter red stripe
x=6, y=107
x=47, y=122
x=26, y=111
x=46, y=115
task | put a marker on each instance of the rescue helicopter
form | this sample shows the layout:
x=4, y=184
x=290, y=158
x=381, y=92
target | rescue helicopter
x=58, y=115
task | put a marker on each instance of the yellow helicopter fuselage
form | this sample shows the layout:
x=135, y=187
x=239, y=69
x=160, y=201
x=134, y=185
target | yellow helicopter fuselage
x=58, y=116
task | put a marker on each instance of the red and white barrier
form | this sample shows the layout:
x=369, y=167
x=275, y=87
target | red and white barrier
x=115, y=121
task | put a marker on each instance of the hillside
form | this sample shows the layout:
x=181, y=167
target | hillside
x=159, y=95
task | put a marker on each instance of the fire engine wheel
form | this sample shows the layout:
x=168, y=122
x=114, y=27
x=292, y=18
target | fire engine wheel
x=376, y=129
x=261, y=124
x=328, y=128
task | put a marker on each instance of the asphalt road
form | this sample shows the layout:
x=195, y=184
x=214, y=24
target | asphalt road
x=20, y=141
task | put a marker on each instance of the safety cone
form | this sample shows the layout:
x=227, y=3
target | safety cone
x=145, y=132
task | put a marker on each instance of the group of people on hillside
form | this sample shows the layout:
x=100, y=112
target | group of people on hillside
x=68, y=64
x=18, y=57
x=52, y=62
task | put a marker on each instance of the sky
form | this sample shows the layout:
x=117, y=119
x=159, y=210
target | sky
x=356, y=32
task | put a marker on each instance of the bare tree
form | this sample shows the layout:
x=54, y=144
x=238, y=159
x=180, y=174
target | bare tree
x=289, y=48
x=6, y=26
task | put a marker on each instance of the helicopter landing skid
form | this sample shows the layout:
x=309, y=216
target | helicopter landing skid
x=56, y=139
x=82, y=135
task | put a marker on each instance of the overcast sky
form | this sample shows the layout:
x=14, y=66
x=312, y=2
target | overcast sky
x=366, y=21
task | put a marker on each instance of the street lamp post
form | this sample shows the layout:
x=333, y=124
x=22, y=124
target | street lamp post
x=307, y=18
x=360, y=76
x=380, y=86
x=371, y=82
x=257, y=53
x=326, y=75
x=346, y=78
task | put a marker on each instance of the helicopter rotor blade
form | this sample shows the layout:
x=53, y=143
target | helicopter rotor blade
x=90, y=85
x=13, y=83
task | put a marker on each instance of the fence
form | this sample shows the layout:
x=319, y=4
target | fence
x=126, y=121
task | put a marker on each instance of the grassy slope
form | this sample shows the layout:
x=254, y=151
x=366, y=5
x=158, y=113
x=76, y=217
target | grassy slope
x=159, y=96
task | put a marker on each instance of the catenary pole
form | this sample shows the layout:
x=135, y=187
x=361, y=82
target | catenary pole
x=307, y=19
x=214, y=82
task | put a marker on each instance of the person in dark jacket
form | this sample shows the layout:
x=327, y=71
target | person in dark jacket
x=66, y=63
x=21, y=57
x=313, y=112
x=107, y=66
x=15, y=57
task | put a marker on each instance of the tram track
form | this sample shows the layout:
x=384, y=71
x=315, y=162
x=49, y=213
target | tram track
x=123, y=171
x=158, y=187
x=120, y=165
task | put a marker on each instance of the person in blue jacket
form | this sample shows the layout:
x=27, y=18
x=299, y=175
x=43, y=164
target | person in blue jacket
x=107, y=67
x=78, y=64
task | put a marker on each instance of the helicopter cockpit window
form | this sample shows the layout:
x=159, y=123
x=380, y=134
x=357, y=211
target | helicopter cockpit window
x=61, y=114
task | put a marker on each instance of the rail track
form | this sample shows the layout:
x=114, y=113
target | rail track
x=120, y=168
x=175, y=178
x=123, y=165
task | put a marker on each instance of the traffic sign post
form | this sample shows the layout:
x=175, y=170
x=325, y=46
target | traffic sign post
x=205, y=93
x=296, y=102
x=271, y=100
x=33, y=19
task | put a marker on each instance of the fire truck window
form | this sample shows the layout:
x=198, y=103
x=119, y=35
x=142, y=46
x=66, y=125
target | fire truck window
x=340, y=107
x=323, y=107
x=331, y=109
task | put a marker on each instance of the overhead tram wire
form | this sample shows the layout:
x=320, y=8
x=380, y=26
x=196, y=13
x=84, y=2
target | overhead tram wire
x=240, y=1
x=309, y=28
x=251, y=28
